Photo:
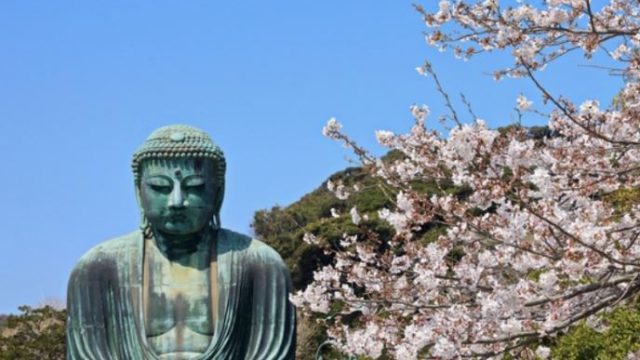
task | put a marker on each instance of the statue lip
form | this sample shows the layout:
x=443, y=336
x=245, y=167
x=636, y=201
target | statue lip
x=177, y=217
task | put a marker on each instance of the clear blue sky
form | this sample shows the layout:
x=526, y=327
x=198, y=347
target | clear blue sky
x=82, y=83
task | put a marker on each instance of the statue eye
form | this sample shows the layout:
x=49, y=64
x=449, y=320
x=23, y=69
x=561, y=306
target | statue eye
x=159, y=184
x=193, y=182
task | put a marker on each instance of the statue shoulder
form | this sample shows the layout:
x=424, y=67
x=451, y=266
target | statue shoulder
x=253, y=248
x=264, y=251
x=109, y=250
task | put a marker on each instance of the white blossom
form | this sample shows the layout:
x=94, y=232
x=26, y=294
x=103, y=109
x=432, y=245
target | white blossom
x=310, y=239
x=332, y=129
x=355, y=217
x=522, y=103
x=519, y=236
x=543, y=352
x=590, y=107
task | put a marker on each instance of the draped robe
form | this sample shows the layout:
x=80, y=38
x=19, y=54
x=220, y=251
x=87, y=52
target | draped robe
x=254, y=318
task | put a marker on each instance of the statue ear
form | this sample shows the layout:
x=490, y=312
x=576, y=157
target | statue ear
x=143, y=218
x=138, y=197
x=217, y=206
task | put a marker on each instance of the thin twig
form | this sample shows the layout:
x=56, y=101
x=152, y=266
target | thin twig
x=429, y=68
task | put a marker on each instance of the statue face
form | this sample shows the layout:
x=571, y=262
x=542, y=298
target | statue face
x=178, y=195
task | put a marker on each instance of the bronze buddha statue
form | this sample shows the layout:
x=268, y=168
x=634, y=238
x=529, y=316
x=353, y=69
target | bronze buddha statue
x=180, y=287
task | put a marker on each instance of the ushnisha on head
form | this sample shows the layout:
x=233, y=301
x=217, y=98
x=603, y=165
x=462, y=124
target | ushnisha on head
x=179, y=178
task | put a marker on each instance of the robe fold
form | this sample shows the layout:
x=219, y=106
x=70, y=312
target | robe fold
x=254, y=318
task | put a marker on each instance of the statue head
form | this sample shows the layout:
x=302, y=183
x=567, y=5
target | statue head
x=179, y=180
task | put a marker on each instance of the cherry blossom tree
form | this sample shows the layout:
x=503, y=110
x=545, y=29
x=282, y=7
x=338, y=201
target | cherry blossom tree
x=535, y=245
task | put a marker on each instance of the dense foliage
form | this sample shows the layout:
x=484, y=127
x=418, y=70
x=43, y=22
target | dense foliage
x=34, y=334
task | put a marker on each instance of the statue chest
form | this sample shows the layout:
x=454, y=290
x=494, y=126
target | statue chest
x=178, y=313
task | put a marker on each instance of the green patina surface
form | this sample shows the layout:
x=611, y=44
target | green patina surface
x=181, y=287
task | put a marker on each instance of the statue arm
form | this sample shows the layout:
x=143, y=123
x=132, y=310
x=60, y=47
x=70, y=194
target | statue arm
x=100, y=324
x=273, y=324
x=86, y=327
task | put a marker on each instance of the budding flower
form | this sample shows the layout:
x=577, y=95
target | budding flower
x=543, y=352
x=310, y=239
x=522, y=103
x=443, y=6
x=355, y=217
x=384, y=137
x=419, y=112
x=590, y=107
x=330, y=185
x=332, y=129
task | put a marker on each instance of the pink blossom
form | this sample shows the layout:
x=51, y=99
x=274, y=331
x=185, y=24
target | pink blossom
x=523, y=103
x=537, y=245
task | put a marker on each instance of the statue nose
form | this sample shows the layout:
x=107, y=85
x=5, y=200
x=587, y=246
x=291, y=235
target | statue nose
x=176, y=199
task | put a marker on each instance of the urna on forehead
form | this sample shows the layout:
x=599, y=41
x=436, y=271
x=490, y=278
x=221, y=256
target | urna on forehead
x=179, y=142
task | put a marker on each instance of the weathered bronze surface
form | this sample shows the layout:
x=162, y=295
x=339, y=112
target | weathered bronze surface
x=180, y=287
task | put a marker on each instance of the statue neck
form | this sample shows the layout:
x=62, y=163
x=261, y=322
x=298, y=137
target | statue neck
x=177, y=246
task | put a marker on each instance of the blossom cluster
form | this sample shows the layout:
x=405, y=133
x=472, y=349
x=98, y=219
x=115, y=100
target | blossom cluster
x=535, y=36
x=536, y=244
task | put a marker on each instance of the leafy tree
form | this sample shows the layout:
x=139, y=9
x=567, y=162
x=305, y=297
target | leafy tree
x=34, y=334
x=616, y=335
